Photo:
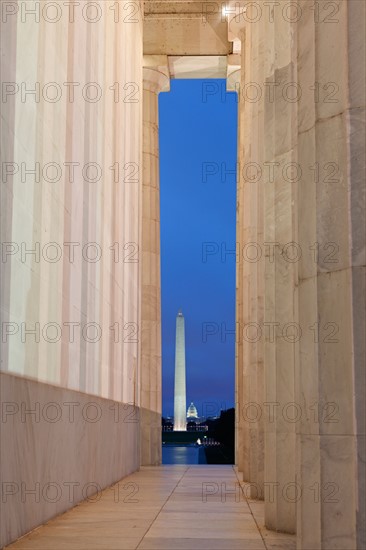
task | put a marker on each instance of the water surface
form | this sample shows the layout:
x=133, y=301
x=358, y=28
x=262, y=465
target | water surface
x=183, y=454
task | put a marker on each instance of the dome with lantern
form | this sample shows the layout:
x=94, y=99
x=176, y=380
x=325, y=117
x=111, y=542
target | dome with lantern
x=192, y=412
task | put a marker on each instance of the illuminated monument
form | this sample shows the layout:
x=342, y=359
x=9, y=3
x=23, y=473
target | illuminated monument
x=180, y=422
x=192, y=413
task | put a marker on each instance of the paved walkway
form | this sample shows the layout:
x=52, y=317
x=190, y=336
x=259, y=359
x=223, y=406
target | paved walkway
x=163, y=508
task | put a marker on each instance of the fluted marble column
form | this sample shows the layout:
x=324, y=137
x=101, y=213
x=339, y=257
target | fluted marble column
x=233, y=85
x=331, y=209
x=267, y=280
x=155, y=81
x=310, y=130
x=281, y=277
x=249, y=310
x=70, y=283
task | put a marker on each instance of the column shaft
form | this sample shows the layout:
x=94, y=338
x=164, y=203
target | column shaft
x=331, y=374
x=151, y=290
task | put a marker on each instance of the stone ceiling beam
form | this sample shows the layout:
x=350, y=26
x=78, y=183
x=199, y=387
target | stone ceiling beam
x=178, y=28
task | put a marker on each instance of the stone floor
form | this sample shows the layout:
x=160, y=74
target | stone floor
x=163, y=508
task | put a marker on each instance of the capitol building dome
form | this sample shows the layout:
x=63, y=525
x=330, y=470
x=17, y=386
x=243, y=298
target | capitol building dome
x=192, y=411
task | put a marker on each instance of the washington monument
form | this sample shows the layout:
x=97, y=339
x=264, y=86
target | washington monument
x=180, y=421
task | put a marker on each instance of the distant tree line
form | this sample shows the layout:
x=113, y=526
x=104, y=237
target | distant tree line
x=220, y=429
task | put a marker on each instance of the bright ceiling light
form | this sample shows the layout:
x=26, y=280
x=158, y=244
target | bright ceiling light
x=225, y=11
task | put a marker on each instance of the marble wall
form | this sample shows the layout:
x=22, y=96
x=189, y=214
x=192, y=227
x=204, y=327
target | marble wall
x=59, y=447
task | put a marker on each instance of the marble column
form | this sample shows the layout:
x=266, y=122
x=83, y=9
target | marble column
x=307, y=137
x=233, y=85
x=154, y=81
x=250, y=272
x=282, y=331
x=70, y=213
x=267, y=296
x=331, y=211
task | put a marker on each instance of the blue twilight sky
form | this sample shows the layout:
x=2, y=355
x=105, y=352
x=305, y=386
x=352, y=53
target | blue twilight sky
x=198, y=132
